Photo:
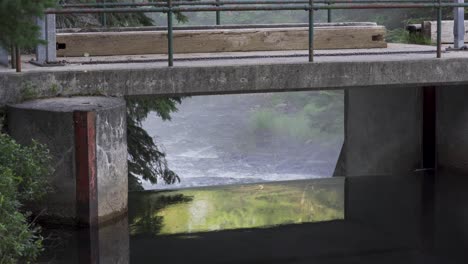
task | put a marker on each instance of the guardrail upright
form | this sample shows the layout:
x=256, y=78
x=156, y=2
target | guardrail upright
x=439, y=30
x=170, y=35
x=329, y=13
x=218, y=14
x=311, y=30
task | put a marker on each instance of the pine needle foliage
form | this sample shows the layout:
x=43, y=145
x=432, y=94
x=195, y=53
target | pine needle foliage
x=146, y=160
x=17, y=23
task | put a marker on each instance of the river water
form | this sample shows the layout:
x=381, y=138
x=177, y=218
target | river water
x=212, y=140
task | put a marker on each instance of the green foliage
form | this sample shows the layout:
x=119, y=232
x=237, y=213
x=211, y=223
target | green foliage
x=145, y=158
x=23, y=173
x=403, y=36
x=17, y=21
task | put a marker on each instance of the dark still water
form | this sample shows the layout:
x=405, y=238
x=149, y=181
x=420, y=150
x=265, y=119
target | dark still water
x=365, y=219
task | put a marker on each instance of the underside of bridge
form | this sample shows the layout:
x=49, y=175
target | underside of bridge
x=405, y=149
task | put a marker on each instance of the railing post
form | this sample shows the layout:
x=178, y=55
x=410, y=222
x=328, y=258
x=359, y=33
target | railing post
x=218, y=14
x=439, y=30
x=104, y=15
x=18, y=58
x=47, y=53
x=459, y=25
x=170, y=45
x=311, y=30
x=329, y=13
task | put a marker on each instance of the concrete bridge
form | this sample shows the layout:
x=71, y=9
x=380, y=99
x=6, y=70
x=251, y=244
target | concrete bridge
x=404, y=110
x=395, y=106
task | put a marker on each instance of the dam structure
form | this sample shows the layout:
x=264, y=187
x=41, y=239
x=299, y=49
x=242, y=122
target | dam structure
x=404, y=104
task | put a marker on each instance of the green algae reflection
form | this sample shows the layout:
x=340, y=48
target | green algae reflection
x=237, y=206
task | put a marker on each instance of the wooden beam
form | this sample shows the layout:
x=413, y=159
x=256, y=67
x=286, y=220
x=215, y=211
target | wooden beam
x=219, y=40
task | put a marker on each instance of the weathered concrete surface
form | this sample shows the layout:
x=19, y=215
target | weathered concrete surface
x=451, y=196
x=50, y=122
x=429, y=29
x=383, y=133
x=111, y=158
x=452, y=128
x=242, y=77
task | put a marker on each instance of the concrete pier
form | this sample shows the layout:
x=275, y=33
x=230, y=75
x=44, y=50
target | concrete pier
x=88, y=143
x=383, y=131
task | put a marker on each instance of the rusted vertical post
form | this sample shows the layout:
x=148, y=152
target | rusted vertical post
x=85, y=158
x=18, y=59
x=311, y=30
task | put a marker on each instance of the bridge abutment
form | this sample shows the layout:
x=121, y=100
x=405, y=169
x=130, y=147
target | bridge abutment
x=88, y=144
x=383, y=131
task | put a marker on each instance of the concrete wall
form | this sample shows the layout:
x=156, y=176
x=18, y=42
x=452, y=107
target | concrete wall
x=52, y=122
x=55, y=130
x=383, y=133
x=111, y=158
x=452, y=128
x=148, y=79
x=451, y=191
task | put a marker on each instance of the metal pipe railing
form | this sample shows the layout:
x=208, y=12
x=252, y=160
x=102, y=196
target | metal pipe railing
x=218, y=6
x=246, y=2
x=268, y=7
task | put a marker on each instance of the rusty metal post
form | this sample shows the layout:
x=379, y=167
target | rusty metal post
x=18, y=59
x=86, y=171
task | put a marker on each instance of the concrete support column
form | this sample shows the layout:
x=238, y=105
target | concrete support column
x=383, y=148
x=87, y=140
x=383, y=131
x=459, y=25
x=451, y=200
x=47, y=53
x=3, y=57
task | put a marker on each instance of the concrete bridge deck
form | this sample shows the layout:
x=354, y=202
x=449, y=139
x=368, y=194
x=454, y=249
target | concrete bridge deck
x=246, y=72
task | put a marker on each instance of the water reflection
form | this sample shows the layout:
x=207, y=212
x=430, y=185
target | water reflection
x=388, y=219
x=233, y=207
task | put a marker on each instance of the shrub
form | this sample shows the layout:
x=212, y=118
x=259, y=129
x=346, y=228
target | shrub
x=23, y=174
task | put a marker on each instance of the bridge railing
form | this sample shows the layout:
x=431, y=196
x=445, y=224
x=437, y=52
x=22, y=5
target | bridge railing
x=169, y=7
